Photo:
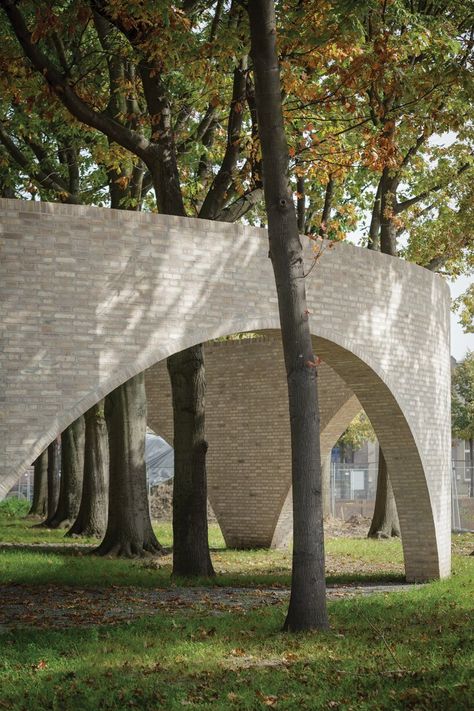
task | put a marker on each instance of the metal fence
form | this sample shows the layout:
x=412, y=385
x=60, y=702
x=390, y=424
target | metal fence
x=352, y=491
x=462, y=496
x=353, y=488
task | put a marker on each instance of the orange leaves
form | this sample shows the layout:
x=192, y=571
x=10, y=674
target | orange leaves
x=123, y=182
x=267, y=699
x=40, y=666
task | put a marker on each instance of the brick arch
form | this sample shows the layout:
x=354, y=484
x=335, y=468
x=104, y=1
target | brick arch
x=247, y=427
x=89, y=297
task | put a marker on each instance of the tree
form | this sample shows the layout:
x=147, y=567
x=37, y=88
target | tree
x=53, y=478
x=190, y=543
x=464, y=304
x=72, y=467
x=144, y=126
x=92, y=517
x=384, y=522
x=40, y=486
x=129, y=532
x=462, y=407
x=359, y=431
x=307, y=608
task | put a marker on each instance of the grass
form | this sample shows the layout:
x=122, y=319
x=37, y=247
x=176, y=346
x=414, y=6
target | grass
x=397, y=651
x=348, y=561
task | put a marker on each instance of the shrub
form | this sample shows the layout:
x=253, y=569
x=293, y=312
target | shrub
x=14, y=507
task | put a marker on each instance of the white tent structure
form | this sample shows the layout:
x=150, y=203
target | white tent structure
x=159, y=457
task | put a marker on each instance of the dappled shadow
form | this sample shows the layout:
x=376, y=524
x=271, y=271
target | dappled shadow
x=115, y=291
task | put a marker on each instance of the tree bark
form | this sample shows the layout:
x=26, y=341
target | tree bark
x=92, y=517
x=385, y=522
x=39, y=505
x=53, y=479
x=72, y=469
x=388, y=230
x=191, y=555
x=129, y=532
x=326, y=214
x=301, y=204
x=374, y=229
x=307, y=608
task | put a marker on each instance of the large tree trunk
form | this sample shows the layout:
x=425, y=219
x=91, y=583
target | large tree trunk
x=72, y=469
x=92, y=517
x=39, y=504
x=191, y=555
x=129, y=532
x=385, y=522
x=307, y=608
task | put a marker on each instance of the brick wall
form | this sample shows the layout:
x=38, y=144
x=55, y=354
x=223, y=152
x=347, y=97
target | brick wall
x=89, y=297
x=247, y=426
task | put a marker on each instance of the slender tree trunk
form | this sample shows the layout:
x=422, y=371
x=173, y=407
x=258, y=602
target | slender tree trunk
x=385, y=519
x=92, y=517
x=53, y=479
x=307, y=608
x=191, y=555
x=374, y=229
x=72, y=469
x=301, y=204
x=129, y=532
x=40, y=486
x=388, y=230
x=326, y=214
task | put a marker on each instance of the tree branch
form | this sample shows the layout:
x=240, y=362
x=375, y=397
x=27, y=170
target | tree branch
x=215, y=198
x=240, y=207
x=131, y=140
x=405, y=204
x=38, y=176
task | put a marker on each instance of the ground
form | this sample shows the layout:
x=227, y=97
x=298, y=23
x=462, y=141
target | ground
x=84, y=633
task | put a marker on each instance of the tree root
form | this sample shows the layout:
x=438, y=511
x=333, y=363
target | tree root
x=129, y=549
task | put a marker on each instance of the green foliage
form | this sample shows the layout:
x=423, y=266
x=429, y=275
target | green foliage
x=13, y=507
x=464, y=305
x=359, y=431
x=462, y=400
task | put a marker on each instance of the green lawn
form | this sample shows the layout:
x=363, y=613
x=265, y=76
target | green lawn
x=397, y=651
x=348, y=560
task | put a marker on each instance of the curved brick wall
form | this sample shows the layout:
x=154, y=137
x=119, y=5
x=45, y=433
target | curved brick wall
x=247, y=427
x=90, y=297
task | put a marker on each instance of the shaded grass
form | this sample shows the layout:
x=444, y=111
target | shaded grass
x=397, y=651
x=391, y=652
x=348, y=560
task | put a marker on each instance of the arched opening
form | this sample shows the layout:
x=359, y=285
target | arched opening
x=263, y=502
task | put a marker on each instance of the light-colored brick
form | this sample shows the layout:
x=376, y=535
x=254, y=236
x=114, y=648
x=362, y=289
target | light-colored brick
x=136, y=279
